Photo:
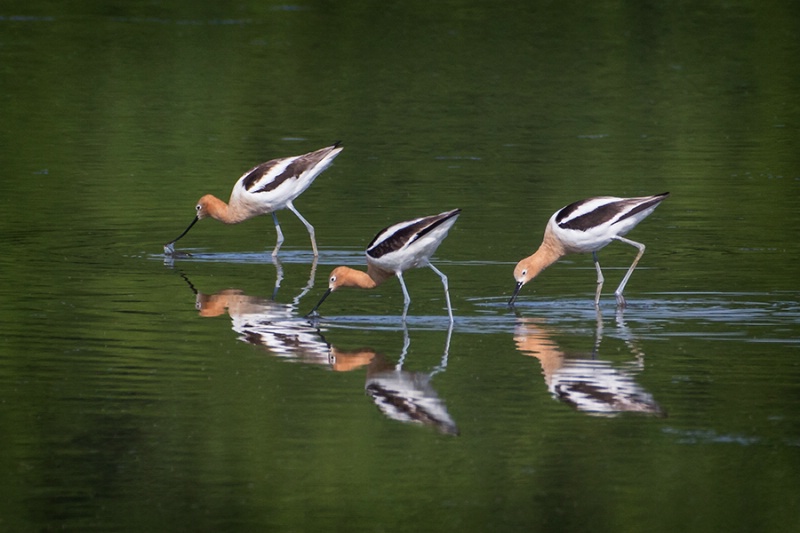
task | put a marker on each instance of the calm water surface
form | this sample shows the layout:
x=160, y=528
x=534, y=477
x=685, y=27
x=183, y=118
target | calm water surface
x=141, y=393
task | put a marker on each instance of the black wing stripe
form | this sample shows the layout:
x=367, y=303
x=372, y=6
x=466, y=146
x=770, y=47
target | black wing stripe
x=568, y=210
x=619, y=209
x=641, y=207
x=405, y=236
x=257, y=173
x=396, y=240
x=593, y=218
x=292, y=170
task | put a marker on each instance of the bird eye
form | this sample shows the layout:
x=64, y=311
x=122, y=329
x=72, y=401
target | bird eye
x=524, y=273
x=197, y=207
x=333, y=279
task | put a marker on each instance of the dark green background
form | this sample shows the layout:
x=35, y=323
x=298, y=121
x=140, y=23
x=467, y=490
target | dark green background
x=122, y=409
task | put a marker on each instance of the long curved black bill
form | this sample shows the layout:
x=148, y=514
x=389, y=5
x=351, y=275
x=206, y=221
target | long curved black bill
x=313, y=313
x=176, y=239
x=516, y=292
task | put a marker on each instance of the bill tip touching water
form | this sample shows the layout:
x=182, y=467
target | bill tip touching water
x=587, y=226
x=170, y=252
x=265, y=189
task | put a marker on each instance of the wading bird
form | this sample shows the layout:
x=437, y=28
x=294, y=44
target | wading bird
x=393, y=251
x=266, y=188
x=588, y=226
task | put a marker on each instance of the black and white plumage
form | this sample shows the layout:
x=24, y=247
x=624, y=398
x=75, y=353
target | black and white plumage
x=410, y=244
x=265, y=189
x=587, y=226
x=394, y=250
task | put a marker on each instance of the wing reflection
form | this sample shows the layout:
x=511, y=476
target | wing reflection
x=400, y=394
x=264, y=322
x=267, y=323
x=590, y=385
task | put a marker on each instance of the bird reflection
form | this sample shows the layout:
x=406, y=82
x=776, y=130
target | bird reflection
x=169, y=261
x=588, y=384
x=264, y=322
x=400, y=394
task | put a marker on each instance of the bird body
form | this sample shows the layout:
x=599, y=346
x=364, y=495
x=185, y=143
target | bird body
x=394, y=250
x=592, y=224
x=265, y=189
x=409, y=244
x=588, y=226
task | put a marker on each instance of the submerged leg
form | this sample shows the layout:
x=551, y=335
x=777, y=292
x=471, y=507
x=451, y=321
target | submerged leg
x=618, y=292
x=279, y=232
x=278, y=275
x=600, y=280
x=308, y=226
x=404, y=352
x=446, y=290
x=443, y=364
x=310, y=283
x=406, y=297
x=598, y=333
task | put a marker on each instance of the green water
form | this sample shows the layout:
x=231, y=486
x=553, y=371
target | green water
x=138, y=394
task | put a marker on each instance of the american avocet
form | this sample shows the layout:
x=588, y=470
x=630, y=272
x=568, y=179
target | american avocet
x=266, y=188
x=588, y=226
x=393, y=251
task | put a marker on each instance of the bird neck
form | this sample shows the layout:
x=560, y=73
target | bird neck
x=218, y=209
x=550, y=251
x=363, y=280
